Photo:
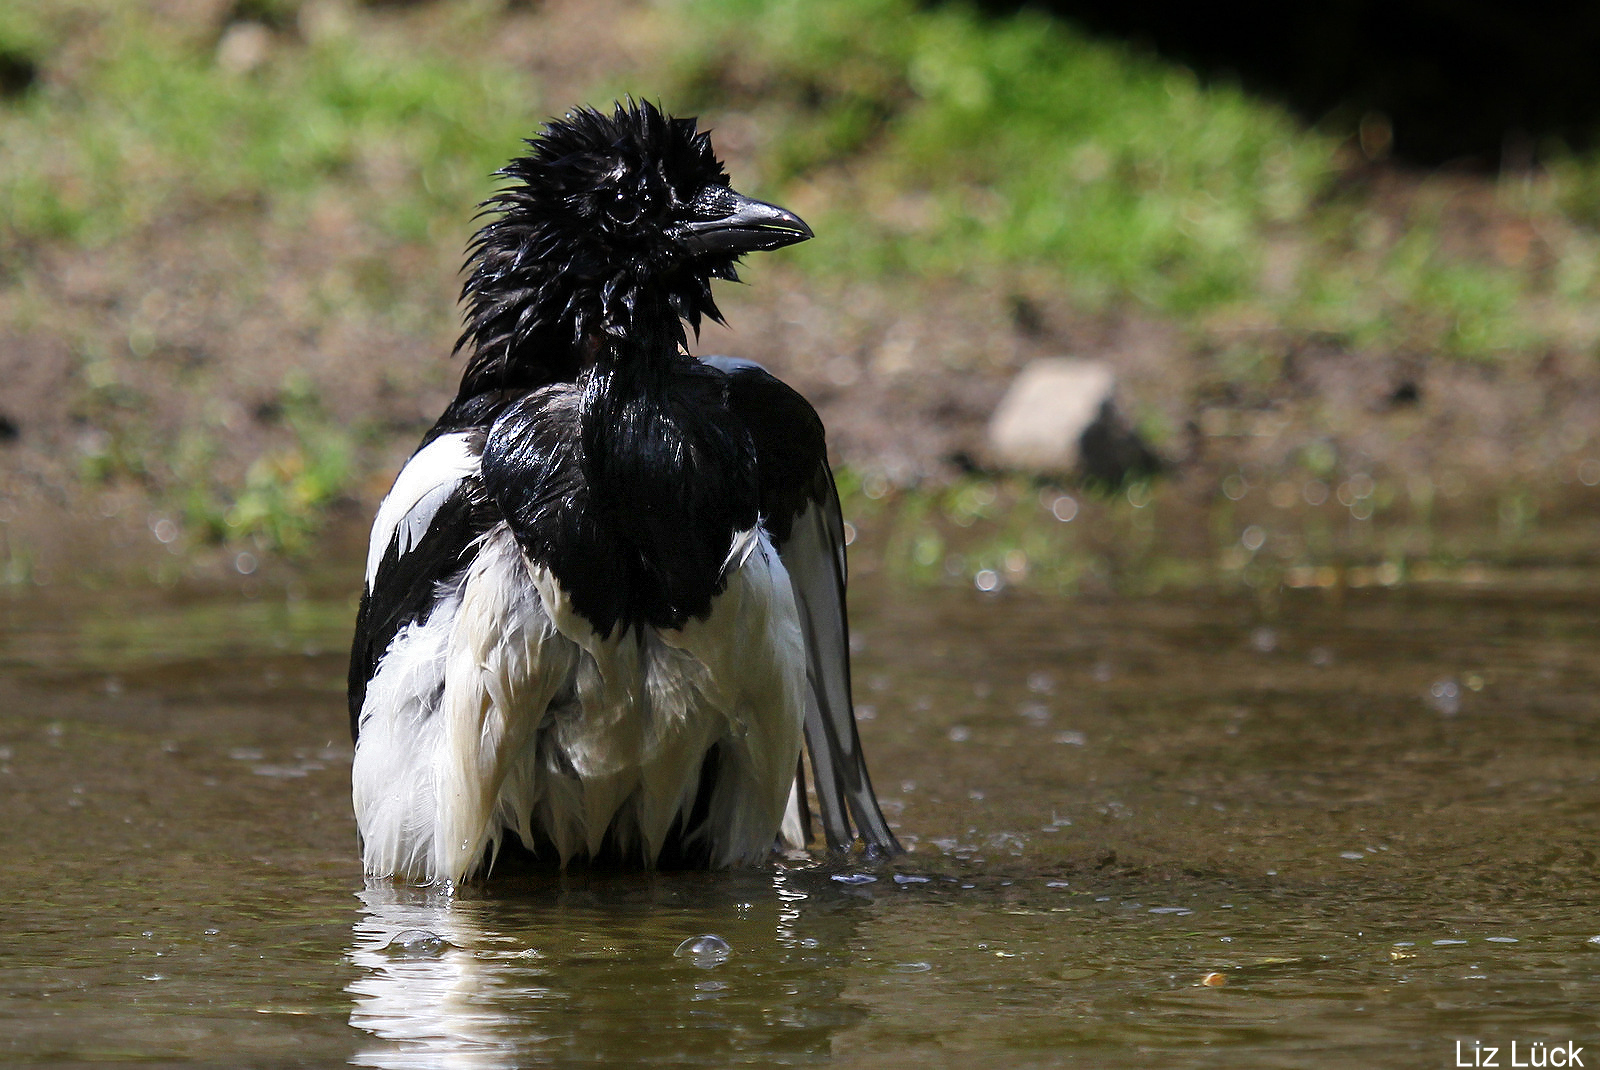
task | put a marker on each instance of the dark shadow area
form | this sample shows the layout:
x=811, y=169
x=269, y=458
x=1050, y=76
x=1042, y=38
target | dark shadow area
x=18, y=73
x=1469, y=83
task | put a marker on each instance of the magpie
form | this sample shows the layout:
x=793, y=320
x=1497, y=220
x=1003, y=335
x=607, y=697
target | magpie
x=604, y=608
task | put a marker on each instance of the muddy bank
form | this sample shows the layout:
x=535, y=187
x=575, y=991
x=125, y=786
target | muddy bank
x=229, y=377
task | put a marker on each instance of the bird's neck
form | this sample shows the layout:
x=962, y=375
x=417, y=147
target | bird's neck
x=658, y=441
x=531, y=336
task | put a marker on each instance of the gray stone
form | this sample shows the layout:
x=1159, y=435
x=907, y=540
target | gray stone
x=1059, y=416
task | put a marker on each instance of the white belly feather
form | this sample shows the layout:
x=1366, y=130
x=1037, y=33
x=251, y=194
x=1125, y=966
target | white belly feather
x=505, y=710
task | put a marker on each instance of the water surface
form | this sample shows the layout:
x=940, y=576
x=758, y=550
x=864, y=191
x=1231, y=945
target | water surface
x=1324, y=829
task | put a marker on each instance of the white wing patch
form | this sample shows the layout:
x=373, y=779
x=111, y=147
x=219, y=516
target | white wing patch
x=421, y=488
x=512, y=713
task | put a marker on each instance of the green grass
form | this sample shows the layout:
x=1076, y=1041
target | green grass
x=152, y=123
x=993, y=145
x=1018, y=152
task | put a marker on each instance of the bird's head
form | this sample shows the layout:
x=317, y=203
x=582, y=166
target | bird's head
x=610, y=225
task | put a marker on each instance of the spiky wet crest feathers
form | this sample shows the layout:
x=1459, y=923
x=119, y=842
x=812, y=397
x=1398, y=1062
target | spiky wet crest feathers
x=578, y=247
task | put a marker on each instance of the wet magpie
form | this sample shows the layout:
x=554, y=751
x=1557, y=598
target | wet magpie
x=605, y=598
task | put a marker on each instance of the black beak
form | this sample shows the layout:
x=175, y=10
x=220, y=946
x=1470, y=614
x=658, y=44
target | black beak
x=747, y=226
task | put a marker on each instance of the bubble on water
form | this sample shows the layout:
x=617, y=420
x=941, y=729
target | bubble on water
x=907, y=878
x=959, y=733
x=416, y=944
x=986, y=579
x=1072, y=739
x=706, y=952
x=1064, y=508
x=1254, y=538
x=809, y=942
x=244, y=563
x=1035, y=712
x=911, y=967
x=1445, y=697
x=1593, y=941
x=854, y=878
x=1353, y=856
x=1041, y=683
x=1171, y=910
x=1448, y=943
x=1501, y=939
x=1264, y=640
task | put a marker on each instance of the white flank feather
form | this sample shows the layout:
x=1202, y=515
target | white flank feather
x=392, y=779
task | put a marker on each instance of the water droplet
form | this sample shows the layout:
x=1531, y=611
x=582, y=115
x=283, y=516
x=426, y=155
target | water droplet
x=1064, y=508
x=706, y=951
x=417, y=944
x=1445, y=697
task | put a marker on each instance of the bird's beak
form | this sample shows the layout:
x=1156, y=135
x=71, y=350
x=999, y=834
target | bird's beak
x=749, y=226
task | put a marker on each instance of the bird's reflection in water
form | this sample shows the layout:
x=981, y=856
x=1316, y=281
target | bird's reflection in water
x=579, y=968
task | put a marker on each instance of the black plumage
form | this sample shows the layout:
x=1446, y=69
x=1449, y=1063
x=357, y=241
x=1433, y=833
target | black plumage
x=675, y=595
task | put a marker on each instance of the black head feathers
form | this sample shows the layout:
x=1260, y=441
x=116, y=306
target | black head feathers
x=611, y=228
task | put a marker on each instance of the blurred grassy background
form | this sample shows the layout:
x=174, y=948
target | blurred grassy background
x=229, y=233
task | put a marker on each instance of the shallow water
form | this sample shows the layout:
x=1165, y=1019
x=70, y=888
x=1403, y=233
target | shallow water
x=1322, y=830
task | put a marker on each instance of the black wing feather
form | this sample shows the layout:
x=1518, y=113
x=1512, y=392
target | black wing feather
x=800, y=510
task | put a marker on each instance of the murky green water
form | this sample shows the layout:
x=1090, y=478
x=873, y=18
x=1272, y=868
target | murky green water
x=1372, y=818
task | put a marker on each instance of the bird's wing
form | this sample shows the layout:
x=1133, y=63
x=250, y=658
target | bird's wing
x=800, y=509
x=424, y=534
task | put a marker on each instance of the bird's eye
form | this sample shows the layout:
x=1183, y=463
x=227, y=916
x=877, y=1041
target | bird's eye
x=626, y=207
